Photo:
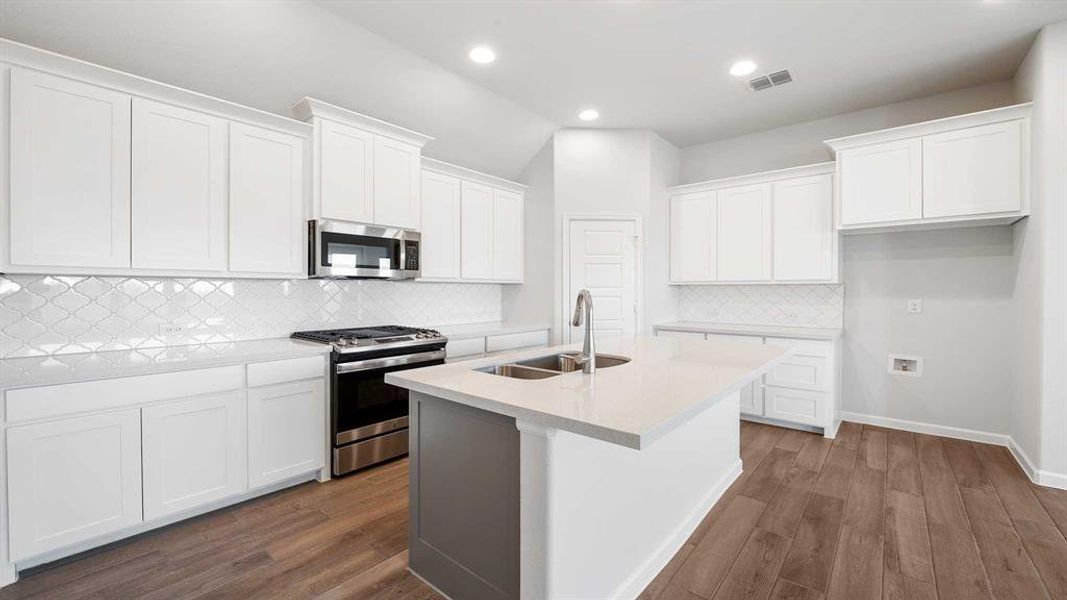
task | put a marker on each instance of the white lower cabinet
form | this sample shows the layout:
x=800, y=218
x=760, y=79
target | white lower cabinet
x=797, y=406
x=73, y=479
x=286, y=424
x=195, y=452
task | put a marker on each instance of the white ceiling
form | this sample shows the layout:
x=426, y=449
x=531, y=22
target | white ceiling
x=663, y=65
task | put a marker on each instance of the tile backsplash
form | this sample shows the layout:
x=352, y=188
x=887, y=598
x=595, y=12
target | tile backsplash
x=788, y=305
x=42, y=315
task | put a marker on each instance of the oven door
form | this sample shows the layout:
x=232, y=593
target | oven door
x=364, y=406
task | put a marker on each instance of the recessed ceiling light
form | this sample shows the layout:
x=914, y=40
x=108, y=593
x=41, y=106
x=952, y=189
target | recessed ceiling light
x=742, y=67
x=482, y=55
x=589, y=114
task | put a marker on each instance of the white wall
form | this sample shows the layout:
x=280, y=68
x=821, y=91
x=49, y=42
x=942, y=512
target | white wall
x=964, y=278
x=801, y=144
x=1039, y=423
x=619, y=171
x=532, y=301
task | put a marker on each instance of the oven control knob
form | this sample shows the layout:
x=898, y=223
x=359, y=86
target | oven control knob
x=342, y=342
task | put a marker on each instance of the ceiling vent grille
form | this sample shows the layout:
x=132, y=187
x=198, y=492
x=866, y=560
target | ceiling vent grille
x=764, y=82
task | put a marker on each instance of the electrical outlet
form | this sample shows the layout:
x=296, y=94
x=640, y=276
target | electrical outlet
x=915, y=306
x=170, y=330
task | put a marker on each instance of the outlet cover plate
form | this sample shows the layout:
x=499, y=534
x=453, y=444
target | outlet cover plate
x=915, y=306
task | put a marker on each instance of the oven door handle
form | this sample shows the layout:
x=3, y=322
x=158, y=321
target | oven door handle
x=390, y=361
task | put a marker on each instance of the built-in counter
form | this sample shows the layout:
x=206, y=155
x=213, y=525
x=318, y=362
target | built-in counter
x=572, y=486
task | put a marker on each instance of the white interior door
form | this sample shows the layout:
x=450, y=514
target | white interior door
x=602, y=257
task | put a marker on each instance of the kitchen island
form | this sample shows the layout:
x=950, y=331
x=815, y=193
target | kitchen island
x=570, y=485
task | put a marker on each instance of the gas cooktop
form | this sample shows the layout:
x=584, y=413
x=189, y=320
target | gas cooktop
x=360, y=339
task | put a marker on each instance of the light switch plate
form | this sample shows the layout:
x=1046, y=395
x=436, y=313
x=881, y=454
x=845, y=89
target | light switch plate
x=915, y=305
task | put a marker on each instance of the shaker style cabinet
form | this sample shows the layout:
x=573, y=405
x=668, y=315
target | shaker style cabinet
x=70, y=173
x=286, y=424
x=72, y=479
x=112, y=174
x=178, y=188
x=773, y=227
x=472, y=225
x=965, y=169
x=365, y=170
x=267, y=196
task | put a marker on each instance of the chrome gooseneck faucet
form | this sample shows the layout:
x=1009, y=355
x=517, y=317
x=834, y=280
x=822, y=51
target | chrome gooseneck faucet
x=583, y=308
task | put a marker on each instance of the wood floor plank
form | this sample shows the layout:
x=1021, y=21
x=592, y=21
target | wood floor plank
x=659, y=584
x=865, y=506
x=897, y=586
x=930, y=449
x=1012, y=575
x=810, y=558
x=857, y=572
x=836, y=471
x=941, y=496
x=754, y=572
x=907, y=543
x=965, y=464
x=902, y=473
x=768, y=476
x=874, y=448
x=958, y=569
x=1018, y=497
x=786, y=508
x=787, y=590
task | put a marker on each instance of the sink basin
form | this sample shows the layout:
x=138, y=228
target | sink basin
x=567, y=362
x=543, y=367
x=517, y=371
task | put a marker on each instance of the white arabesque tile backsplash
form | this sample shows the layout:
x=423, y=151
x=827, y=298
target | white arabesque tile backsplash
x=42, y=315
x=783, y=305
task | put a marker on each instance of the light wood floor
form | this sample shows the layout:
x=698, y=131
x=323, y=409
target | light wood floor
x=875, y=514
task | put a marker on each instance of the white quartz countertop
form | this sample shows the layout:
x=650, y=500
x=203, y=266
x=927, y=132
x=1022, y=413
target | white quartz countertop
x=89, y=366
x=476, y=330
x=667, y=382
x=808, y=333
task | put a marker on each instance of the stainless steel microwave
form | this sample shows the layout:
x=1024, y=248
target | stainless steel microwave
x=339, y=250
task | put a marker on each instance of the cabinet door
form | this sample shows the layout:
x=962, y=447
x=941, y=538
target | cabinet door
x=751, y=394
x=440, y=226
x=268, y=190
x=72, y=480
x=803, y=229
x=507, y=235
x=881, y=183
x=973, y=171
x=797, y=406
x=396, y=183
x=477, y=231
x=286, y=431
x=195, y=452
x=70, y=173
x=178, y=188
x=743, y=239
x=693, y=237
x=346, y=173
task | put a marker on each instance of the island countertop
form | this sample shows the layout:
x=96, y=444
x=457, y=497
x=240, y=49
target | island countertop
x=667, y=382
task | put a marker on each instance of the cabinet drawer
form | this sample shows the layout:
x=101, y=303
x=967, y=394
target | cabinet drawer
x=730, y=337
x=797, y=406
x=280, y=371
x=816, y=348
x=496, y=343
x=468, y=347
x=70, y=398
x=801, y=372
x=695, y=335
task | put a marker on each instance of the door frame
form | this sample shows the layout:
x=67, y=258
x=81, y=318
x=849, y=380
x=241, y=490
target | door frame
x=564, y=306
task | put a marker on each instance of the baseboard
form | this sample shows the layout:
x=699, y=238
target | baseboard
x=1045, y=478
x=637, y=582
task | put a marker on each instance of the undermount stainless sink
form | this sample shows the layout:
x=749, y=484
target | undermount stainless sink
x=543, y=367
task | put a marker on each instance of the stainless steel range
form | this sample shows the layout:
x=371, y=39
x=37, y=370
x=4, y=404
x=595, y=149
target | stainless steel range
x=369, y=418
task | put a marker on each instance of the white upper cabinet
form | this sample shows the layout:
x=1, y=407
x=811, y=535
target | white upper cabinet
x=477, y=231
x=881, y=183
x=441, y=235
x=345, y=172
x=507, y=235
x=70, y=173
x=743, y=238
x=692, y=238
x=973, y=171
x=267, y=199
x=969, y=168
x=366, y=170
x=396, y=183
x=803, y=229
x=178, y=188
x=772, y=227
